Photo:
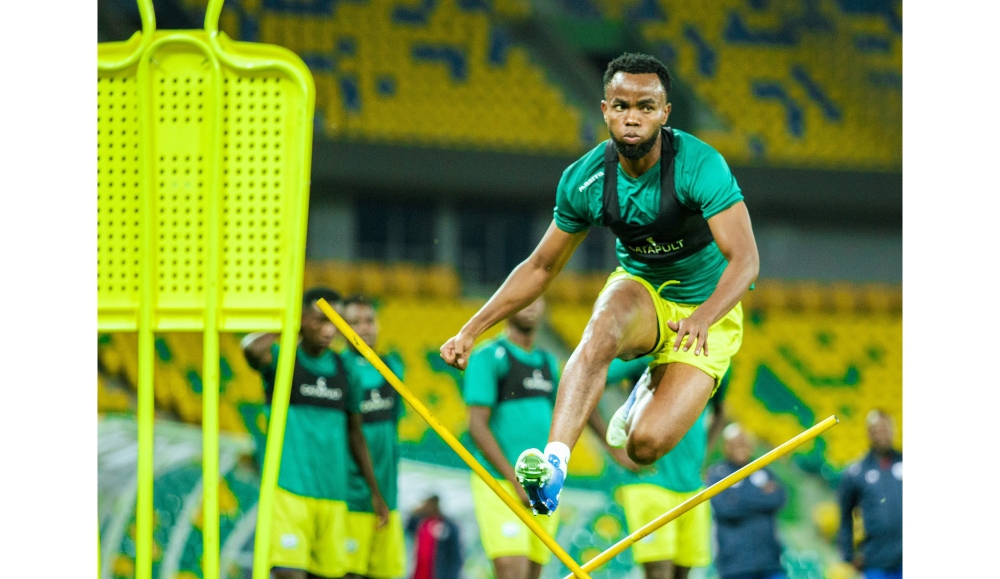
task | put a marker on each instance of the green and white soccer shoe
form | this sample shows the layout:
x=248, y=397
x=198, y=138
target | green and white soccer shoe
x=542, y=478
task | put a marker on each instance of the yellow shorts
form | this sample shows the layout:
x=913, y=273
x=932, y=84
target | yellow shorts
x=724, y=336
x=502, y=533
x=376, y=553
x=308, y=533
x=686, y=540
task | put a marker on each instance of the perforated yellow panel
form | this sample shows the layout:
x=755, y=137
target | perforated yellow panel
x=265, y=137
x=118, y=190
x=256, y=174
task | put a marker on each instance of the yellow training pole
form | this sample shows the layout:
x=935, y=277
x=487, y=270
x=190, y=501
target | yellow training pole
x=210, y=340
x=449, y=438
x=708, y=493
x=145, y=411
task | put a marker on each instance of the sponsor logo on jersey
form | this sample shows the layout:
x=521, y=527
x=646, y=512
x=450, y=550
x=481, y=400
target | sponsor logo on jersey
x=590, y=181
x=538, y=382
x=897, y=470
x=321, y=390
x=376, y=403
x=654, y=247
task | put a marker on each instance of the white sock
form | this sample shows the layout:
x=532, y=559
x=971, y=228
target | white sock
x=560, y=450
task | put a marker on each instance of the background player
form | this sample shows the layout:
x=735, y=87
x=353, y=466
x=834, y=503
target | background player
x=647, y=493
x=509, y=386
x=687, y=256
x=322, y=433
x=377, y=552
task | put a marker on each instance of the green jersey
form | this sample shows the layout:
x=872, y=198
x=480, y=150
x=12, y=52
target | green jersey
x=315, y=456
x=703, y=183
x=680, y=469
x=381, y=408
x=520, y=387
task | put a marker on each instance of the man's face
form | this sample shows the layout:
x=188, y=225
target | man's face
x=529, y=318
x=738, y=449
x=635, y=107
x=317, y=329
x=880, y=433
x=363, y=320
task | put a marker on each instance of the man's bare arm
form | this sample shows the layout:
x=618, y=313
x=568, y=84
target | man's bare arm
x=524, y=284
x=734, y=236
x=359, y=450
x=479, y=430
x=257, y=349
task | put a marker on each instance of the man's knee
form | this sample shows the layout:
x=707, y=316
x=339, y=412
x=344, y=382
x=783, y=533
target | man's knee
x=646, y=446
x=600, y=342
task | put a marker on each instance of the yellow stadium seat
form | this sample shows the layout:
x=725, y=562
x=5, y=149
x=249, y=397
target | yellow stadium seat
x=404, y=280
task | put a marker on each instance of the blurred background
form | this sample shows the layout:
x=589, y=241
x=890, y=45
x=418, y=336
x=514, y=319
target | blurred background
x=442, y=128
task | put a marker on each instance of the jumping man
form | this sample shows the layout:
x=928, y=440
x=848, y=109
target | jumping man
x=687, y=255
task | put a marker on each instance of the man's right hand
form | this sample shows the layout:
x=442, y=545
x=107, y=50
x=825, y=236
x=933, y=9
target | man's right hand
x=455, y=352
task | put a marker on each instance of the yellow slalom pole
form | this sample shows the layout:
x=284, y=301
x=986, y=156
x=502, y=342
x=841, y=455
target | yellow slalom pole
x=449, y=438
x=708, y=493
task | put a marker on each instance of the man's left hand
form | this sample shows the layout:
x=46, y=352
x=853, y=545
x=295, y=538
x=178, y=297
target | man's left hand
x=694, y=329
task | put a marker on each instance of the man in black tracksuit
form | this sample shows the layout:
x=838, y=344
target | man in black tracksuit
x=745, y=514
x=875, y=484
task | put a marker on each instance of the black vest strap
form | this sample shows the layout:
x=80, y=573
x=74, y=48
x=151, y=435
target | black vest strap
x=524, y=381
x=677, y=232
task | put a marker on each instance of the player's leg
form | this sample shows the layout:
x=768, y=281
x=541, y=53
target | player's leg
x=682, y=382
x=623, y=324
x=512, y=567
x=658, y=570
x=534, y=570
x=658, y=422
x=286, y=573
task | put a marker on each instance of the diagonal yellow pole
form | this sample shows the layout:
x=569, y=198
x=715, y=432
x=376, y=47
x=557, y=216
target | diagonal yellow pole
x=708, y=493
x=449, y=438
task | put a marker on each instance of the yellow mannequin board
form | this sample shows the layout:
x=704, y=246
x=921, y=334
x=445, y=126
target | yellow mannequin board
x=204, y=150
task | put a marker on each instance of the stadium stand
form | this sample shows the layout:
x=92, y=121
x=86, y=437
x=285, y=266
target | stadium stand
x=789, y=83
x=813, y=83
x=435, y=72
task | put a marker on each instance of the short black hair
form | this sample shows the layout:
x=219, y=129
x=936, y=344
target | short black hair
x=313, y=295
x=637, y=63
x=359, y=300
